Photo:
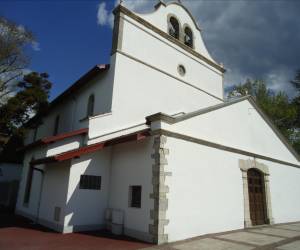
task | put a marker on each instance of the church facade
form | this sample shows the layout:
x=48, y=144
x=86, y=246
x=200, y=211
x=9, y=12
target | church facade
x=148, y=147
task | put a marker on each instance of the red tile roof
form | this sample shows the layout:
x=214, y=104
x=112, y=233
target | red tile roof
x=91, y=148
x=51, y=139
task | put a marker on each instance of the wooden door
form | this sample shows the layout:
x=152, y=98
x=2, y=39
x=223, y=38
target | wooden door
x=257, y=200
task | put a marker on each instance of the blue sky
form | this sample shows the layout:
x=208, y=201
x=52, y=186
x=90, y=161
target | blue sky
x=70, y=41
x=253, y=39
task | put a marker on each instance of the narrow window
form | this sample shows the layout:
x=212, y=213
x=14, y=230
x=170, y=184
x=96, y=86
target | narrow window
x=90, y=106
x=90, y=182
x=173, y=27
x=188, y=37
x=56, y=125
x=135, y=196
x=28, y=184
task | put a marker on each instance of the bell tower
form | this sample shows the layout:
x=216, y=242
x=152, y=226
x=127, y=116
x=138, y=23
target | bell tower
x=159, y=63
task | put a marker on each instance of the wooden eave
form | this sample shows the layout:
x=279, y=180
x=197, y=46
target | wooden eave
x=91, y=148
x=55, y=138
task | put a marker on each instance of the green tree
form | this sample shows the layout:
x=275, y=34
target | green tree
x=276, y=106
x=31, y=98
x=296, y=81
x=296, y=103
x=21, y=95
x=13, y=59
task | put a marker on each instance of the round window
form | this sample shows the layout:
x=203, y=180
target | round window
x=181, y=70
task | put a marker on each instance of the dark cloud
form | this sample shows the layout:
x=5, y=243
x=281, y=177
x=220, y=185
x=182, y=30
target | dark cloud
x=257, y=39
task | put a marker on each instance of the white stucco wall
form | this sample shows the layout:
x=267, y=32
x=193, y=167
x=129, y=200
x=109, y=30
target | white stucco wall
x=65, y=145
x=101, y=87
x=73, y=109
x=150, y=76
x=239, y=126
x=54, y=194
x=65, y=111
x=166, y=56
x=152, y=90
x=85, y=209
x=285, y=190
x=206, y=190
x=159, y=19
x=31, y=208
x=132, y=165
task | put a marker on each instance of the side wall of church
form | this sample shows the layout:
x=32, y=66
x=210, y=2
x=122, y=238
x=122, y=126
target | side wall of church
x=132, y=166
x=239, y=126
x=85, y=208
x=53, y=194
x=73, y=110
x=31, y=208
x=147, y=79
x=48, y=191
x=206, y=190
x=142, y=43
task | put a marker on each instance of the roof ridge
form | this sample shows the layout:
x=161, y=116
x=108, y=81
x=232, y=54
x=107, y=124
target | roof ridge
x=170, y=119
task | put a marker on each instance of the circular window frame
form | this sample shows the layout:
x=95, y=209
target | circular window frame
x=181, y=70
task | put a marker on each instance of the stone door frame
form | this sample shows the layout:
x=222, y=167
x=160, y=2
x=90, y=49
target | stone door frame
x=244, y=166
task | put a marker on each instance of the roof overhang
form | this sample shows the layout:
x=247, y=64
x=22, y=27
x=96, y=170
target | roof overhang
x=81, y=82
x=52, y=139
x=92, y=148
x=161, y=117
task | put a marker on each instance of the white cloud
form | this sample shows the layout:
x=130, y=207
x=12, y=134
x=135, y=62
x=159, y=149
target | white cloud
x=140, y=6
x=104, y=16
x=35, y=46
x=253, y=40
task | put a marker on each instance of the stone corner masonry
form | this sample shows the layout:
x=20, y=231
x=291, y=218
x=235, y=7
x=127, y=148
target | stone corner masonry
x=160, y=190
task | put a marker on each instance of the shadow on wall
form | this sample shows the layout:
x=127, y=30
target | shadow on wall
x=87, y=202
x=8, y=194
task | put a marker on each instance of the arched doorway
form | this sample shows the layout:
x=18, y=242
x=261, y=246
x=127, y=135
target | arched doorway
x=257, y=198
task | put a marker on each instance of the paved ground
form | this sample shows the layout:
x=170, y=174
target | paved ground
x=277, y=237
x=17, y=233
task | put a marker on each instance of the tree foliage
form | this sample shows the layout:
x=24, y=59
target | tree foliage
x=296, y=103
x=31, y=98
x=296, y=81
x=13, y=40
x=21, y=95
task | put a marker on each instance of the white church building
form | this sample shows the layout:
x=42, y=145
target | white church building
x=147, y=146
